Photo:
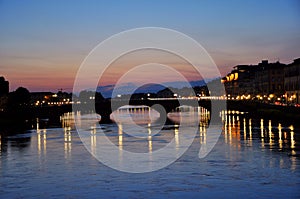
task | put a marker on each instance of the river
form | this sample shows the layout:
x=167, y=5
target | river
x=253, y=158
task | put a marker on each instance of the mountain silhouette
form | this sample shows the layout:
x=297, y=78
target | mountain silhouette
x=108, y=90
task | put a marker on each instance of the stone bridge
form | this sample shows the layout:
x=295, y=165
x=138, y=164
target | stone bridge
x=163, y=106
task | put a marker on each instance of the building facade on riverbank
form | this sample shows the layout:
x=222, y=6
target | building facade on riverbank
x=292, y=82
x=264, y=81
x=269, y=79
x=240, y=81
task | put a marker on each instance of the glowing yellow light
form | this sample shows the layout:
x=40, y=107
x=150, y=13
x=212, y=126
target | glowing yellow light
x=231, y=77
x=279, y=131
x=236, y=76
x=292, y=140
x=262, y=128
x=120, y=133
x=280, y=135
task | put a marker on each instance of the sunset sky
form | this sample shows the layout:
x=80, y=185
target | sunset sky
x=42, y=43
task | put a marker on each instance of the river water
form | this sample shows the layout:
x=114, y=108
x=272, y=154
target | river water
x=253, y=158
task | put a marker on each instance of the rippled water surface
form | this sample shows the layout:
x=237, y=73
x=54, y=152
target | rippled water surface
x=253, y=158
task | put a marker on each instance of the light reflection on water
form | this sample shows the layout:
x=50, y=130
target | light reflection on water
x=265, y=135
x=253, y=158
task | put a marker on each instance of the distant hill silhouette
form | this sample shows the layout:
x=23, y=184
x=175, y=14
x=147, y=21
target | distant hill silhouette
x=107, y=90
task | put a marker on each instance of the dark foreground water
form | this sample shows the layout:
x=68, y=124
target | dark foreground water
x=253, y=158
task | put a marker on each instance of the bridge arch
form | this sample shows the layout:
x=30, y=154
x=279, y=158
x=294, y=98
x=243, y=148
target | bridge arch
x=162, y=106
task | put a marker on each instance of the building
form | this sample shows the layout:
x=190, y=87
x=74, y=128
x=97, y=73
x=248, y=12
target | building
x=269, y=79
x=239, y=83
x=264, y=81
x=292, y=82
x=4, y=86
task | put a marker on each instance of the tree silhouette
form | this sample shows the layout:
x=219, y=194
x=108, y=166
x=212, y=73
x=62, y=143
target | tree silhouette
x=19, y=98
x=90, y=96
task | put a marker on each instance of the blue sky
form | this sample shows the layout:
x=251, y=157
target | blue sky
x=44, y=42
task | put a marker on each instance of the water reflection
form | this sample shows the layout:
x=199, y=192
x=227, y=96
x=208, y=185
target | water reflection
x=239, y=131
x=232, y=128
x=122, y=135
x=68, y=120
x=152, y=130
x=271, y=136
x=0, y=144
x=67, y=142
x=190, y=115
x=270, y=133
x=250, y=156
x=150, y=138
x=42, y=141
